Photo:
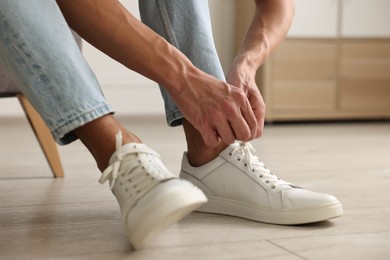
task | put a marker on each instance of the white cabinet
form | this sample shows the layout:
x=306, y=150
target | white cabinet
x=341, y=18
x=365, y=19
x=315, y=19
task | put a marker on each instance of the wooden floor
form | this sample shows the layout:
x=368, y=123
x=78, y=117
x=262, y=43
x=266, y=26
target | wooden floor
x=77, y=218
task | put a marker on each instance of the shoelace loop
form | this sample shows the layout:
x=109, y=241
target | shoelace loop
x=252, y=162
x=112, y=170
x=155, y=169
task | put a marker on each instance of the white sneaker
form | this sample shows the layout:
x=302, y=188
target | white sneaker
x=150, y=197
x=236, y=183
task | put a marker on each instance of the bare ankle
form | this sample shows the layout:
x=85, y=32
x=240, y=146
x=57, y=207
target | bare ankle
x=99, y=138
x=198, y=152
x=199, y=157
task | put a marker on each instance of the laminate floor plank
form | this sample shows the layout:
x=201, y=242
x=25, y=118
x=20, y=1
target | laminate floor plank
x=77, y=218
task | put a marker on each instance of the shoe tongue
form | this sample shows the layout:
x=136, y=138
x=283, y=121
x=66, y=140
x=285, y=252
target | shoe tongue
x=130, y=148
x=233, y=145
x=229, y=149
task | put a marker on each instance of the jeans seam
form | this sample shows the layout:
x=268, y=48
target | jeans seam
x=166, y=25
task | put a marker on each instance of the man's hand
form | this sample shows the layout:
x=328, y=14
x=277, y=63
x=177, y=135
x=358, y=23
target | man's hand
x=244, y=77
x=218, y=110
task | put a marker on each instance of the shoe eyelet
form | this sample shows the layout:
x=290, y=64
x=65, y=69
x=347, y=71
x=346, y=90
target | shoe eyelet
x=260, y=176
x=230, y=154
x=238, y=159
x=273, y=186
x=245, y=164
x=266, y=181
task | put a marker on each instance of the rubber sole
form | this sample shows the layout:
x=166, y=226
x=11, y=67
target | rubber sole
x=164, y=205
x=223, y=206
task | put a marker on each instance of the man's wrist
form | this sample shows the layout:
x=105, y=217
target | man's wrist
x=253, y=56
x=244, y=63
x=181, y=77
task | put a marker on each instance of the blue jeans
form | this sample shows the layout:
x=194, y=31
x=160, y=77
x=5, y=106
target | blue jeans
x=38, y=49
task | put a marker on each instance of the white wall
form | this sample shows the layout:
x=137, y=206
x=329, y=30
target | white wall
x=131, y=93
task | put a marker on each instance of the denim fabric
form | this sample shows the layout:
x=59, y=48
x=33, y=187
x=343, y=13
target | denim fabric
x=186, y=25
x=38, y=49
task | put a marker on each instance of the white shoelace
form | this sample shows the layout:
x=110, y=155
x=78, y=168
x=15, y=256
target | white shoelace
x=246, y=153
x=111, y=172
x=140, y=176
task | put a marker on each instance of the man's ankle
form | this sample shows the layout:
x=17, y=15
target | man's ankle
x=198, y=152
x=200, y=156
x=99, y=138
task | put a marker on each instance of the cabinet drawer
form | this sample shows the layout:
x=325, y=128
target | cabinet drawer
x=305, y=60
x=304, y=75
x=304, y=95
x=365, y=74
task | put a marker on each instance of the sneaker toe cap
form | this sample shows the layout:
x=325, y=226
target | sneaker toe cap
x=300, y=198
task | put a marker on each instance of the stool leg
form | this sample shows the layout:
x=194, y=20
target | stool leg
x=44, y=137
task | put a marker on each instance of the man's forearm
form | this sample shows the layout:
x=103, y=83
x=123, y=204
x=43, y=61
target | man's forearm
x=268, y=28
x=107, y=25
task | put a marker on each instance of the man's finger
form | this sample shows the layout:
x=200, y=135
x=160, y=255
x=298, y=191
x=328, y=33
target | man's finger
x=258, y=108
x=226, y=133
x=210, y=136
x=241, y=129
x=250, y=119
